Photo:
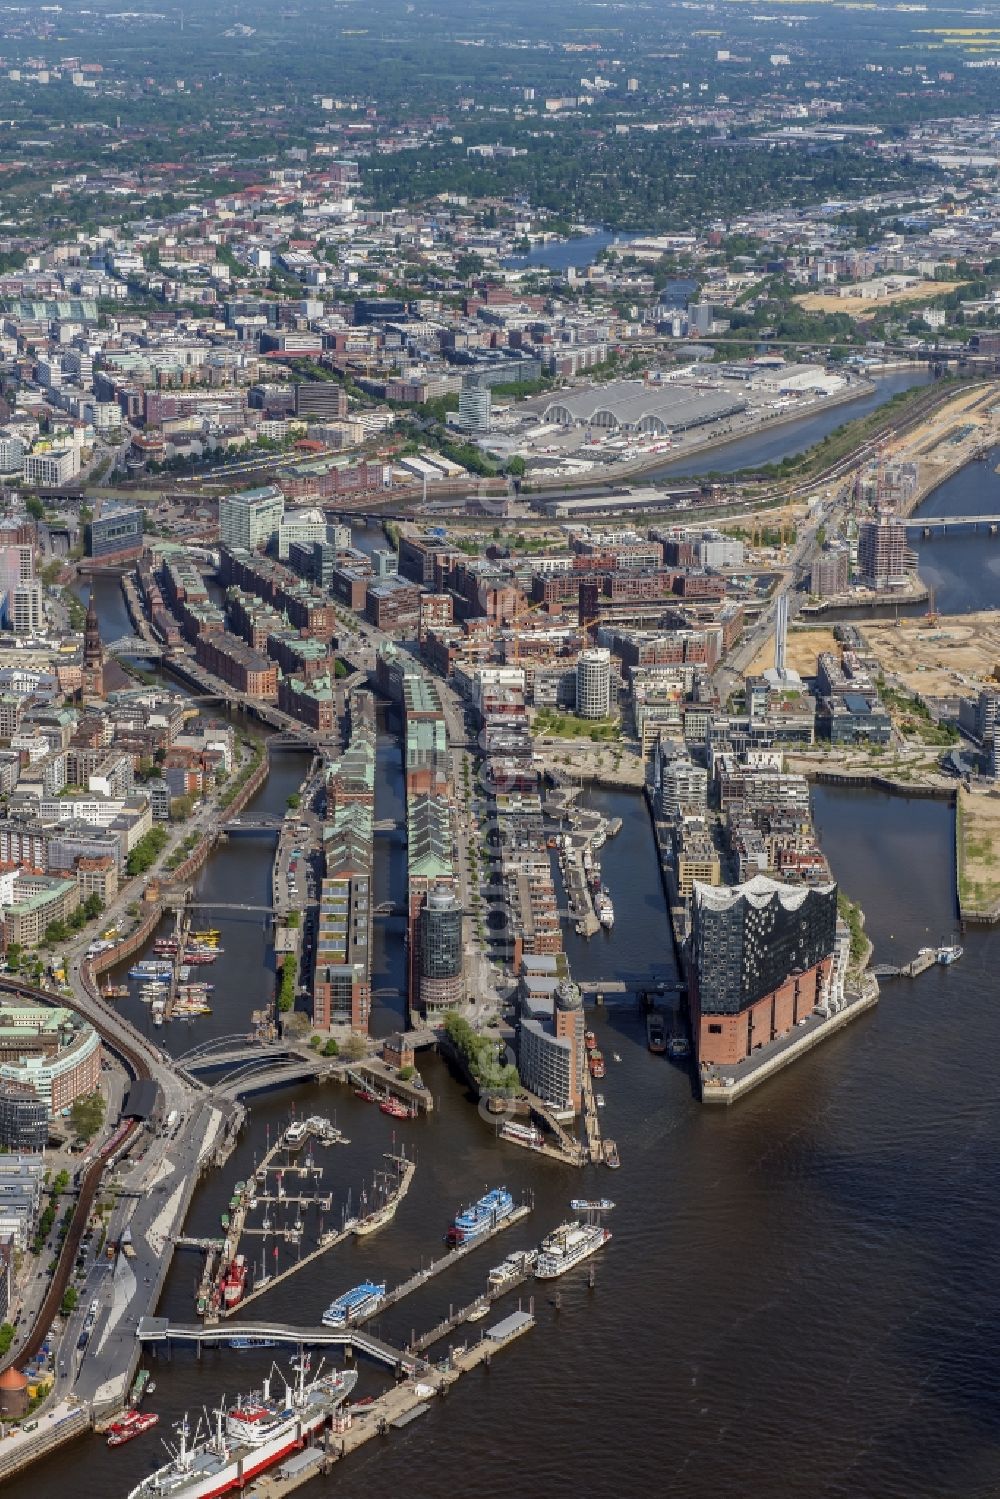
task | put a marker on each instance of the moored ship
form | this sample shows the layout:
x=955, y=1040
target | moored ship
x=511, y=1270
x=483, y=1215
x=131, y=1425
x=362, y=1301
x=249, y=1437
x=570, y=1244
x=656, y=1032
x=605, y=910
x=524, y=1134
x=234, y=1281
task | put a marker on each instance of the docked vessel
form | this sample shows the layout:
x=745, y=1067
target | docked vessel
x=485, y=1214
x=611, y=1155
x=605, y=910
x=139, y=1388
x=369, y=1222
x=397, y=1109
x=295, y=1134
x=656, y=1032
x=949, y=954
x=249, y=1437
x=511, y=1270
x=596, y=1063
x=234, y=1281
x=523, y=1134
x=241, y=1344
x=592, y=1205
x=678, y=1046
x=589, y=1040
x=363, y=1301
x=570, y=1244
x=132, y=1424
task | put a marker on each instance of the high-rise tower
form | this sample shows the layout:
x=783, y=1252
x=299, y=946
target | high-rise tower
x=93, y=654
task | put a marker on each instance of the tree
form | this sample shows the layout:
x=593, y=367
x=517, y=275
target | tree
x=34, y=507
x=354, y=1047
x=515, y=466
x=87, y=1115
x=69, y=1301
x=330, y=1047
x=293, y=801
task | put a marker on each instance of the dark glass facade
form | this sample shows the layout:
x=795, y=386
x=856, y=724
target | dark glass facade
x=24, y=1122
x=441, y=936
x=118, y=530
x=748, y=940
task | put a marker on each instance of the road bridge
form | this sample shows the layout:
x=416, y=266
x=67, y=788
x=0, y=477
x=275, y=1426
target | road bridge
x=929, y=523
x=252, y=825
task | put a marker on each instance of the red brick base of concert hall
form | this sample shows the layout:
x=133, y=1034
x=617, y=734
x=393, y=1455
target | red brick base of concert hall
x=727, y=1039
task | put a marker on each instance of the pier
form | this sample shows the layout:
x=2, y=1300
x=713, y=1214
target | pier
x=330, y=1240
x=393, y=1411
x=926, y=958
x=455, y=1319
x=229, y=1247
x=421, y=1277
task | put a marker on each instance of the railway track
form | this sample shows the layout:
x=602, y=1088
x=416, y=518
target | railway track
x=110, y=1152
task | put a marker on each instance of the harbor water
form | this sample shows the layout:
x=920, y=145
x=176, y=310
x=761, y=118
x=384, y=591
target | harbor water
x=797, y=1301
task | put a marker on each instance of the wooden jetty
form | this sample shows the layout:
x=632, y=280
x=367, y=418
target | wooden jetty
x=421, y=1277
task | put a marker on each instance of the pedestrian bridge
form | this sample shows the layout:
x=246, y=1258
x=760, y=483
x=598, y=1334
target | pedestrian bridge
x=160, y=1330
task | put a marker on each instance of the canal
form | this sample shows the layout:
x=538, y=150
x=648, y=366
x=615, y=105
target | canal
x=797, y=1298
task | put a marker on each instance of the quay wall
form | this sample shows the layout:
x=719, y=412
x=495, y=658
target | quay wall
x=866, y=1000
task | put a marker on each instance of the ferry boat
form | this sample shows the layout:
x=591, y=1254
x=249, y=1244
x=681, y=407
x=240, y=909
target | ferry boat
x=211, y=935
x=611, y=1155
x=149, y=968
x=132, y=1424
x=295, y=1133
x=485, y=1214
x=363, y=1301
x=570, y=1244
x=605, y=910
x=249, y=1437
x=523, y=1134
x=234, y=1281
x=511, y=1269
x=949, y=954
x=597, y=1205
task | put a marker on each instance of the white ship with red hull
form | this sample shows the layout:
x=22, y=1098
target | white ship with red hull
x=250, y=1436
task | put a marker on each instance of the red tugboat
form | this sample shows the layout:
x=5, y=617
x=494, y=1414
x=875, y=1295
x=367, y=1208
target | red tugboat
x=396, y=1109
x=589, y=1040
x=132, y=1424
x=596, y=1064
x=366, y=1094
x=234, y=1281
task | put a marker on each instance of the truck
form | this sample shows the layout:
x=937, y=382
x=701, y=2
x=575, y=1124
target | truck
x=170, y=1123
